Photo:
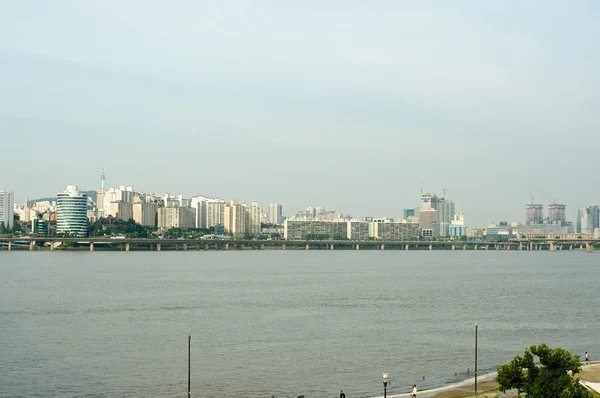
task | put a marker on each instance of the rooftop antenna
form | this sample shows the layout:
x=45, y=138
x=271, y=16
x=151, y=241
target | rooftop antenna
x=422, y=179
x=444, y=190
x=102, y=178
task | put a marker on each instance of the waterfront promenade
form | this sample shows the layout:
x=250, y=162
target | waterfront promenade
x=136, y=244
x=487, y=385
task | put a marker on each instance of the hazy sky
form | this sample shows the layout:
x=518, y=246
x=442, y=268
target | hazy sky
x=344, y=104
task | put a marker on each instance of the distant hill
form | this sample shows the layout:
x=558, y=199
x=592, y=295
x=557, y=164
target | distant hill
x=92, y=194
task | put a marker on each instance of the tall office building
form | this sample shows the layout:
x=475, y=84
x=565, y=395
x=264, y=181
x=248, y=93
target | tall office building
x=409, y=213
x=427, y=201
x=7, y=203
x=71, y=212
x=595, y=215
x=445, y=214
x=587, y=220
x=275, y=214
x=426, y=219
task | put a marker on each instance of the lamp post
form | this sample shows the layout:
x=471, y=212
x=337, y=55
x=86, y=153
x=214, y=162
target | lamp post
x=475, y=358
x=386, y=380
x=189, y=362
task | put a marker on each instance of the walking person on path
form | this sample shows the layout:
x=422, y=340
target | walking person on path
x=587, y=357
x=342, y=395
x=413, y=391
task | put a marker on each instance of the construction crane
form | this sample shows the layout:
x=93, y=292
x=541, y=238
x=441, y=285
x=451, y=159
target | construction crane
x=531, y=193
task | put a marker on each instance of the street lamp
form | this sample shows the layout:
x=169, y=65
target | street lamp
x=386, y=380
x=189, y=362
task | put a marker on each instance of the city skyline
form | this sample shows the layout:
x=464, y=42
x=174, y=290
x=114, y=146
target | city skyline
x=343, y=105
x=573, y=217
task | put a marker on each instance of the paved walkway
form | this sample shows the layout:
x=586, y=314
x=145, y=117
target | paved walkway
x=590, y=376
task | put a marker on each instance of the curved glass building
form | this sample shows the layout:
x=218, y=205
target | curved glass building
x=71, y=212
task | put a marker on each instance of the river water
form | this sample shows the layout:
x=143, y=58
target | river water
x=283, y=323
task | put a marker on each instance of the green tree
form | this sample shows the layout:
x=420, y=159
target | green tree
x=553, y=377
x=2, y=228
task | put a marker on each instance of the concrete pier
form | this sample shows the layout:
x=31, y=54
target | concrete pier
x=331, y=247
x=307, y=246
x=430, y=247
x=92, y=246
x=158, y=247
x=206, y=247
x=126, y=247
x=31, y=246
x=283, y=246
x=406, y=247
x=382, y=247
x=9, y=246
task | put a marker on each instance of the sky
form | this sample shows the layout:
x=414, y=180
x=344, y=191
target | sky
x=350, y=105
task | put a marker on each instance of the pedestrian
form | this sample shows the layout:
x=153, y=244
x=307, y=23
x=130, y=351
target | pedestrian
x=342, y=395
x=587, y=357
x=413, y=391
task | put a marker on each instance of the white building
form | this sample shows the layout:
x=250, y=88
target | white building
x=275, y=214
x=71, y=212
x=7, y=202
x=215, y=213
x=254, y=219
x=176, y=217
x=236, y=219
x=200, y=203
x=353, y=230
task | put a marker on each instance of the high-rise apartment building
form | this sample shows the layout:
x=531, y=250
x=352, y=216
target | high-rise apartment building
x=236, y=219
x=121, y=194
x=215, y=213
x=182, y=217
x=7, y=203
x=122, y=210
x=71, y=212
x=144, y=212
x=275, y=214
x=254, y=219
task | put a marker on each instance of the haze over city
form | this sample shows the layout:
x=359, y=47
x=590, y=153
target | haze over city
x=347, y=105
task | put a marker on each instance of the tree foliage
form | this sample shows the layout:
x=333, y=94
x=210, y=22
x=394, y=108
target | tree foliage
x=553, y=377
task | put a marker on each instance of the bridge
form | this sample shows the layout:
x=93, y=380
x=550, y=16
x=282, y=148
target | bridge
x=138, y=244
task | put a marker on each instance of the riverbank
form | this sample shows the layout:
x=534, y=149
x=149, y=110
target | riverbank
x=487, y=386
